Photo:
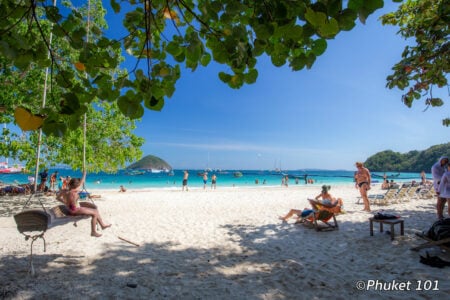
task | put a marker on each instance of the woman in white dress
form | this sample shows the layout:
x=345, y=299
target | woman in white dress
x=444, y=191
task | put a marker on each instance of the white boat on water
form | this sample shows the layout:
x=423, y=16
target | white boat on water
x=156, y=171
x=5, y=169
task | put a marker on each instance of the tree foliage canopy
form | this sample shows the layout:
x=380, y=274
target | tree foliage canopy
x=110, y=142
x=426, y=62
x=412, y=161
x=164, y=35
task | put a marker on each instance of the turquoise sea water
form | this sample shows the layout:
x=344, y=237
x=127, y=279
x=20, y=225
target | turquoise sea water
x=224, y=178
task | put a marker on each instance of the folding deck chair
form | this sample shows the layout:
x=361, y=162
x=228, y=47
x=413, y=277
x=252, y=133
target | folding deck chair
x=443, y=244
x=321, y=218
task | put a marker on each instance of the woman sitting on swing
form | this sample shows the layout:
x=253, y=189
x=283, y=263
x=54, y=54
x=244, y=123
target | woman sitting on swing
x=70, y=198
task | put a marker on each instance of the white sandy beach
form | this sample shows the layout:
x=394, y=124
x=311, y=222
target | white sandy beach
x=222, y=244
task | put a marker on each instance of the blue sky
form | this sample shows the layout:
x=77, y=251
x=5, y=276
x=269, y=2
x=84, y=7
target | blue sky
x=329, y=117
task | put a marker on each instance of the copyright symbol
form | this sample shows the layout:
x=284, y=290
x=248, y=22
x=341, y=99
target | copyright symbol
x=360, y=285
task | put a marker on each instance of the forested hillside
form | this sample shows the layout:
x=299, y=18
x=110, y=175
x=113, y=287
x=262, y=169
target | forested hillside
x=412, y=161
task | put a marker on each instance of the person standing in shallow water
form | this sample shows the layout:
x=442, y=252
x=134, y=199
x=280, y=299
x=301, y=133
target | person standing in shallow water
x=213, y=181
x=362, y=182
x=205, y=180
x=185, y=180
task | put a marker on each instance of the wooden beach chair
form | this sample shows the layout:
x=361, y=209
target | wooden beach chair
x=324, y=218
x=443, y=244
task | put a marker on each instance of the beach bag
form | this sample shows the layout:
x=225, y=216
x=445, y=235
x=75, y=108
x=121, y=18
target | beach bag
x=384, y=216
x=440, y=230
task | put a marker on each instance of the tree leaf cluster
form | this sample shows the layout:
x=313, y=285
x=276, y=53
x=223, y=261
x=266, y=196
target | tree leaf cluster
x=163, y=37
x=425, y=62
x=71, y=93
x=413, y=161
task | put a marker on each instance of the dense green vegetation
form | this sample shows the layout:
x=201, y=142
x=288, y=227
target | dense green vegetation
x=424, y=66
x=150, y=162
x=412, y=161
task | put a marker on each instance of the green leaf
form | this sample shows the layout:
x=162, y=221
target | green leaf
x=295, y=33
x=130, y=108
x=236, y=81
x=154, y=103
x=264, y=31
x=259, y=47
x=251, y=76
x=298, y=63
x=174, y=48
x=115, y=6
x=23, y=60
x=224, y=77
x=355, y=4
x=52, y=13
x=70, y=104
x=316, y=19
x=51, y=127
x=319, y=47
x=329, y=28
x=206, y=59
x=346, y=19
x=435, y=102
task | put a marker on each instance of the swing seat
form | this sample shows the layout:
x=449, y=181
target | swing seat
x=60, y=214
x=32, y=220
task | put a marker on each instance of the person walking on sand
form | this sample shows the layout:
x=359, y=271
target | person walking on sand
x=185, y=180
x=213, y=181
x=437, y=170
x=70, y=198
x=362, y=182
x=423, y=177
x=205, y=180
x=53, y=178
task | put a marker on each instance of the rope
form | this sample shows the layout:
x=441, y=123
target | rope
x=34, y=238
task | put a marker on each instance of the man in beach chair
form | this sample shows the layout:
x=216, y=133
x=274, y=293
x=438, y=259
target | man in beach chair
x=324, y=208
x=324, y=213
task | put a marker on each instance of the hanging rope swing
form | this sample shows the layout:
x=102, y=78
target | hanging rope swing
x=33, y=223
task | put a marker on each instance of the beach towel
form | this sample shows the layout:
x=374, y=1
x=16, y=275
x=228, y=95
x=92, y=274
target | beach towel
x=384, y=216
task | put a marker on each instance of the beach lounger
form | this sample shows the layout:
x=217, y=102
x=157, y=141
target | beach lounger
x=427, y=193
x=381, y=199
x=413, y=193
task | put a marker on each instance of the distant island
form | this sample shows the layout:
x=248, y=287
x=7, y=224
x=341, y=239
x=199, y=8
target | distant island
x=412, y=161
x=150, y=162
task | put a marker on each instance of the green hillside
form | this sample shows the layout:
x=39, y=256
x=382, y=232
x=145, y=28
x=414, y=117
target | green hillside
x=412, y=161
x=150, y=162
